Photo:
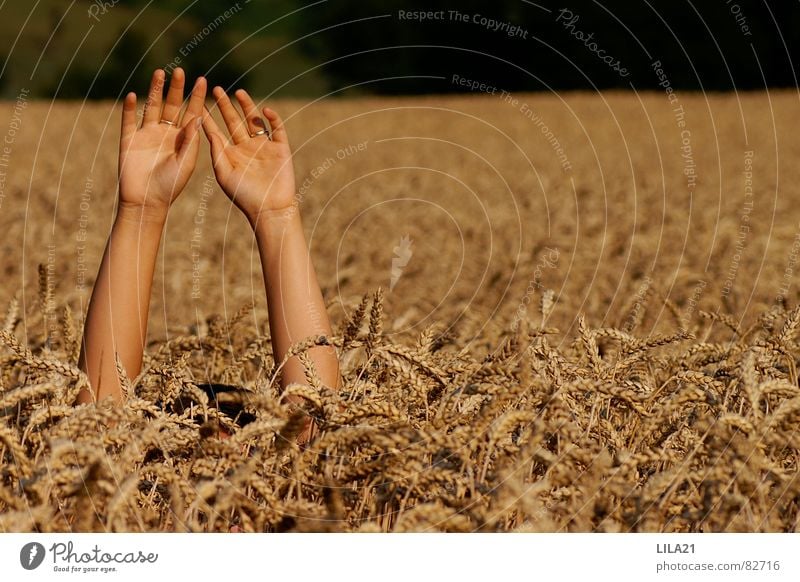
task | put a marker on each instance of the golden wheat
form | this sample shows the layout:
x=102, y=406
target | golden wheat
x=483, y=390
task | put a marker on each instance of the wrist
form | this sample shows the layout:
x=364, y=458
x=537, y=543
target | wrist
x=142, y=214
x=275, y=219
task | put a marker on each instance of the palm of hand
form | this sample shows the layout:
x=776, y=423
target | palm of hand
x=258, y=175
x=151, y=172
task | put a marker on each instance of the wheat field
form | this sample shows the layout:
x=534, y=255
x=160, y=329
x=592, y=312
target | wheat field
x=554, y=313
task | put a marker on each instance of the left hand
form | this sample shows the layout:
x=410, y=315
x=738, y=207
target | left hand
x=254, y=171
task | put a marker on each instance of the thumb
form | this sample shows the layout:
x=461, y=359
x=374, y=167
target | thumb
x=188, y=146
x=217, y=149
x=217, y=143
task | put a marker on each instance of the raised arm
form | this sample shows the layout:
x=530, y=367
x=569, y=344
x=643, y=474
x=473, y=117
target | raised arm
x=155, y=162
x=256, y=172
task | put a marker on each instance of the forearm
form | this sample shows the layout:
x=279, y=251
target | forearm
x=295, y=303
x=116, y=322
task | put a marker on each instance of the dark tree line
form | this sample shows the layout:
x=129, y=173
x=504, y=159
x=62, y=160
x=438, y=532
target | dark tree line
x=570, y=44
x=405, y=46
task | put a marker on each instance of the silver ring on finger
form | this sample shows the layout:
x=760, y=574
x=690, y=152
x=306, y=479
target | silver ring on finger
x=265, y=132
x=167, y=121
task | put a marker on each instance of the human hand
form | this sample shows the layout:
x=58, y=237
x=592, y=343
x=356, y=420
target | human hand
x=254, y=171
x=157, y=159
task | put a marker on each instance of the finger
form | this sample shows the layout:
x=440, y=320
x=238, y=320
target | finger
x=196, y=101
x=174, y=101
x=210, y=125
x=255, y=122
x=152, y=107
x=217, y=141
x=128, y=116
x=191, y=138
x=232, y=118
x=278, y=130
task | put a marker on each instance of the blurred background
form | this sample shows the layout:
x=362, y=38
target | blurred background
x=76, y=49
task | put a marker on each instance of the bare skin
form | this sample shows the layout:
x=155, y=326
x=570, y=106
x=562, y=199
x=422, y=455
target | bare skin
x=155, y=163
x=256, y=172
x=257, y=175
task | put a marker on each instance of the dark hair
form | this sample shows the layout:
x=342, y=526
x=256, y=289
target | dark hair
x=233, y=409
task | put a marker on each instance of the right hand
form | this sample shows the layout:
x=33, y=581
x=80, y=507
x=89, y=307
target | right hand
x=157, y=159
